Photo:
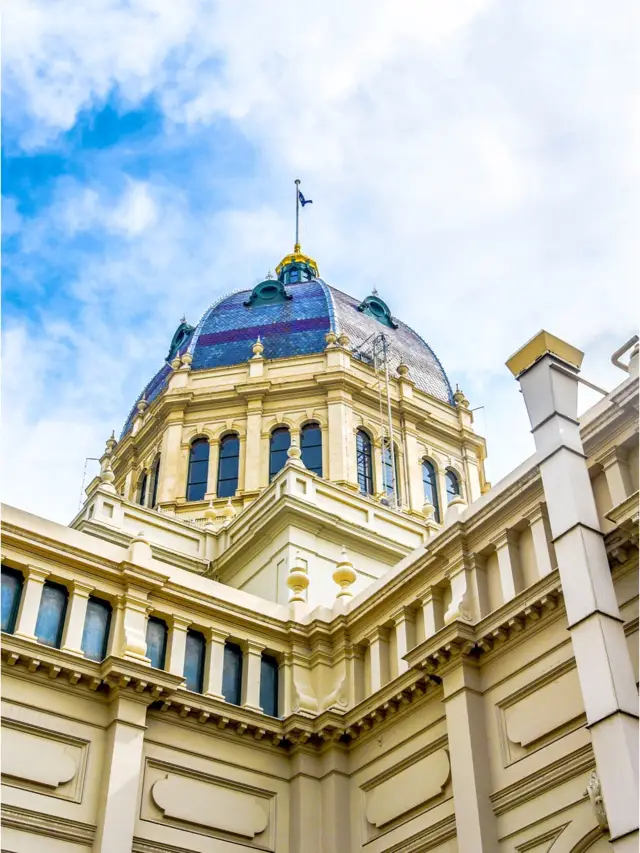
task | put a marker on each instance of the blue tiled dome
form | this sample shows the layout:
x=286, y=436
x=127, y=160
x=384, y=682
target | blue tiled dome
x=295, y=325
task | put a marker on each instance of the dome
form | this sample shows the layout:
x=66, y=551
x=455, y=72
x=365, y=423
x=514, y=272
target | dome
x=291, y=315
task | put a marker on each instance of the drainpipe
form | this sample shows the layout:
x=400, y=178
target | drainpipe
x=547, y=369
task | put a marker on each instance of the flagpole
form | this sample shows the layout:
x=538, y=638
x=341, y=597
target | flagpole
x=297, y=183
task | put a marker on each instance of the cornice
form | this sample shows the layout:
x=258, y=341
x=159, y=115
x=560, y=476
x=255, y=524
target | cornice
x=48, y=825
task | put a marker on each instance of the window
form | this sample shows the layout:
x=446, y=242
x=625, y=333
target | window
x=96, y=629
x=280, y=443
x=311, y=447
x=142, y=491
x=156, y=641
x=228, y=466
x=269, y=685
x=198, y=470
x=390, y=471
x=363, y=458
x=232, y=674
x=430, y=488
x=51, y=615
x=12, y=582
x=155, y=476
x=194, y=661
x=453, y=486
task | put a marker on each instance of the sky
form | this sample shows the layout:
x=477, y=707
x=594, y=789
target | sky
x=475, y=161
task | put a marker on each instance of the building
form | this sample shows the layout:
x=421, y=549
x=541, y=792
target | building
x=293, y=616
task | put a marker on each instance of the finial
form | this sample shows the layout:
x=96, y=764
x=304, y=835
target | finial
x=459, y=398
x=258, y=348
x=186, y=358
x=344, y=340
x=331, y=339
x=269, y=275
x=229, y=510
x=176, y=362
x=298, y=580
x=111, y=443
x=142, y=403
x=344, y=575
x=294, y=455
x=107, y=476
x=296, y=249
x=374, y=291
x=210, y=513
x=183, y=319
x=403, y=369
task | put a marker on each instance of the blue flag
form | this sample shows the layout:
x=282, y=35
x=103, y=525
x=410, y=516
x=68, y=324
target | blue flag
x=304, y=200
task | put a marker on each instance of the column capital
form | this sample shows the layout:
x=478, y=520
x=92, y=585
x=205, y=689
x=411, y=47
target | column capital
x=217, y=635
x=35, y=573
x=536, y=512
x=377, y=634
x=430, y=594
x=81, y=588
x=252, y=647
x=611, y=456
x=509, y=536
x=404, y=614
x=179, y=623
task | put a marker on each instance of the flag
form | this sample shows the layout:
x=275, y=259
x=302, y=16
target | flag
x=304, y=200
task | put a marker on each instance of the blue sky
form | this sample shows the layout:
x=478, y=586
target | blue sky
x=476, y=162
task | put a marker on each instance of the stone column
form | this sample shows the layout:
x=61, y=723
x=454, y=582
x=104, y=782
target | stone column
x=251, y=666
x=252, y=448
x=214, y=663
x=171, y=459
x=469, y=755
x=121, y=775
x=177, y=644
x=541, y=545
x=354, y=663
x=379, y=658
x=432, y=611
x=342, y=443
x=72, y=636
x=442, y=491
x=30, y=603
x=212, y=474
x=547, y=369
x=415, y=487
x=616, y=470
x=509, y=564
x=403, y=626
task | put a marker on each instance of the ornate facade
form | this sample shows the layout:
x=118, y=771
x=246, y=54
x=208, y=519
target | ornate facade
x=292, y=614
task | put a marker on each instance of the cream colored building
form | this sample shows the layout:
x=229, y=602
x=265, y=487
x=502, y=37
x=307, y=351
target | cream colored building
x=266, y=630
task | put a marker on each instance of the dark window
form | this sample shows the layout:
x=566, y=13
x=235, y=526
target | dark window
x=228, y=466
x=142, y=491
x=194, y=661
x=280, y=443
x=453, y=486
x=430, y=487
x=269, y=685
x=12, y=582
x=155, y=476
x=232, y=674
x=294, y=275
x=389, y=476
x=311, y=447
x=156, y=641
x=365, y=468
x=96, y=629
x=53, y=609
x=198, y=470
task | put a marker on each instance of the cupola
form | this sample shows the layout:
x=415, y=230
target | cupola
x=296, y=267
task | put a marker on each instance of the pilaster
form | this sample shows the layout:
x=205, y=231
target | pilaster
x=403, y=627
x=432, y=610
x=508, y=553
x=72, y=636
x=616, y=470
x=251, y=675
x=253, y=442
x=379, y=658
x=177, y=644
x=212, y=473
x=171, y=455
x=214, y=663
x=30, y=604
x=542, y=548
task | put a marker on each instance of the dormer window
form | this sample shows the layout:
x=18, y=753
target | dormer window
x=180, y=337
x=268, y=292
x=375, y=307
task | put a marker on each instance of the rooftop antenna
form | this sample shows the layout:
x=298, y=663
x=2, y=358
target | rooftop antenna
x=84, y=476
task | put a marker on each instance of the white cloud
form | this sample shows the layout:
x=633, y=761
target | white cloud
x=474, y=160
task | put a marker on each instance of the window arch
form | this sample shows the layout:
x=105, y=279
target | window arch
x=364, y=462
x=430, y=483
x=311, y=447
x=156, y=641
x=95, y=636
x=269, y=685
x=390, y=471
x=155, y=476
x=12, y=583
x=453, y=485
x=194, y=653
x=51, y=615
x=142, y=489
x=228, y=465
x=232, y=673
x=198, y=469
x=279, y=444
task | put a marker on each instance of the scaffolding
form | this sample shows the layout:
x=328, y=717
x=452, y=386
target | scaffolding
x=375, y=351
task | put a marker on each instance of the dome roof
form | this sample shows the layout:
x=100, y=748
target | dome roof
x=292, y=319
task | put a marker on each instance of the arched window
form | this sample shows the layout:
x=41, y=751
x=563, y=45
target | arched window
x=311, y=447
x=142, y=489
x=194, y=661
x=96, y=629
x=232, y=674
x=280, y=443
x=453, y=485
x=430, y=484
x=198, y=470
x=228, y=466
x=155, y=476
x=12, y=583
x=390, y=471
x=156, y=641
x=269, y=685
x=51, y=615
x=363, y=459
